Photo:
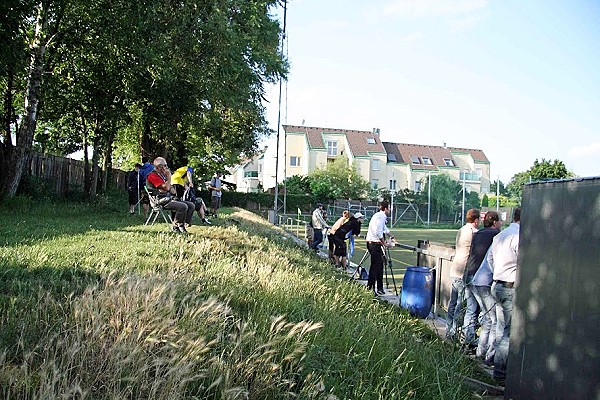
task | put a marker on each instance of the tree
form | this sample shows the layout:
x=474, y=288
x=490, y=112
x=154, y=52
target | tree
x=485, y=201
x=297, y=184
x=338, y=180
x=444, y=192
x=540, y=171
x=498, y=184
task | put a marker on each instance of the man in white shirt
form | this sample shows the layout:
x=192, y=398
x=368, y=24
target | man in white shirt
x=503, y=261
x=318, y=223
x=375, y=245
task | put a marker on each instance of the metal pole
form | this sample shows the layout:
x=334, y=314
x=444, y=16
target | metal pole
x=498, y=194
x=392, y=210
x=463, y=200
x=428, y=197
x=279, y=114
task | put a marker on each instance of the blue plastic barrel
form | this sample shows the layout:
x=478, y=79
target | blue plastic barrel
x=417, y=290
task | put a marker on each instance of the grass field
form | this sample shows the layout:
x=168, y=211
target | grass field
x=94, y=305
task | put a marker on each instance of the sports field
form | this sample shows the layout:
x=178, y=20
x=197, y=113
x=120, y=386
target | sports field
x=402, y=258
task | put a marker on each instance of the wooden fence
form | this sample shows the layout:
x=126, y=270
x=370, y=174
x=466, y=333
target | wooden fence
x=67, y=174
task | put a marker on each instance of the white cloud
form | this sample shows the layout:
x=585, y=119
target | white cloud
x=591, y=150
x=464, y=23
x=427, y=8
x=413, y=37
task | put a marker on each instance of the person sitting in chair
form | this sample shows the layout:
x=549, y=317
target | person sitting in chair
x=159, y=183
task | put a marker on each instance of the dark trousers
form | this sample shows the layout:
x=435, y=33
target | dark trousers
x=317, y=238
x=376, y=270
x=184, y=210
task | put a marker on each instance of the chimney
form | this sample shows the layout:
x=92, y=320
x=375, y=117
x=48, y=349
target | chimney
x=376, y=131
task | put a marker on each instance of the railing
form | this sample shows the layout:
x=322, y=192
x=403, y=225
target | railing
x=469, y=176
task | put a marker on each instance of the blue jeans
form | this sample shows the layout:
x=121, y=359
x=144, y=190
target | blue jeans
x=454, y=307
x=504, y=305
x=471, y=314
x=317, y=238
x=486, y=346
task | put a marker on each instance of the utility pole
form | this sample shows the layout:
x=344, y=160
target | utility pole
x=276, y=202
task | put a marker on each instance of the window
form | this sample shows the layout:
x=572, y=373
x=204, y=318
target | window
x=371, y=140
x=294, y=161
x=449, y=162
x=375, y=183
x=479, y=172
x=415, y=160
x=375, y=165
x=332, y=149
x=251, y=174
x=392, y=184
x=417, y=186
x=391, y=157
x=427, y=161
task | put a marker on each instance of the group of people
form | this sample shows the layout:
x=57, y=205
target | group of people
x=349, y=225
x=483, y=273
x=177, y=189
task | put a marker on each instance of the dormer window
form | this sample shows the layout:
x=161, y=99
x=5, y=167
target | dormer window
x=371, y=140
x=332, y=149
x=415, y=160
x=427, y=161
x=449, y=162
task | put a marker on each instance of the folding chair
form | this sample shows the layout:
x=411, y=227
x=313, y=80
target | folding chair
x=156, y=209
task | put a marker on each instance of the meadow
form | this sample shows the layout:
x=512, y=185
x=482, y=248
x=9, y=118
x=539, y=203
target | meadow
x=94, y=305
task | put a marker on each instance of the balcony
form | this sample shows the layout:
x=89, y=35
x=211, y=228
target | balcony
x=469, y=176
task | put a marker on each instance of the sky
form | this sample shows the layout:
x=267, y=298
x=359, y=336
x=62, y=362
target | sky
x=518, y=79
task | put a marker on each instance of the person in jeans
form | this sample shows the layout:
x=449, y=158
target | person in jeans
x=215, y=193
x=480, y=244
x=482, y=282
x=503, y=260
x=457, y=271
x=349, y=228
x=318, y=223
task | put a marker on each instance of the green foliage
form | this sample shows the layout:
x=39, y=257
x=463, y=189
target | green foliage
x=485, y=201
x=297, y=184
x=505, y=201
x=472, y=200
x=540, y=171
x=498, y=184
x=444, y=192
x=338, y=180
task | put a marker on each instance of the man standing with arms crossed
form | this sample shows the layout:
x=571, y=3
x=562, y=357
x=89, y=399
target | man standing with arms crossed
x=375, y=246
x=503, y=261
x=215, y=193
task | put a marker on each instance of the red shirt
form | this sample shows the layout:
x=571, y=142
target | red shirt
x=155, y=179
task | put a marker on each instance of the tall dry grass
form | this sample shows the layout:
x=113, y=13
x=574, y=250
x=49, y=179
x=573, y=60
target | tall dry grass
x=94, y=305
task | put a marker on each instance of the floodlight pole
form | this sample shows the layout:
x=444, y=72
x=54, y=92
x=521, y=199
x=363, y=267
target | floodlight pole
x=428, y=197
x=463, y=200
x=279, y=116
x=498, y=194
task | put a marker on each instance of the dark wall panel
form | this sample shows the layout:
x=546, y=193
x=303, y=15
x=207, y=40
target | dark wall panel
x=555, y=336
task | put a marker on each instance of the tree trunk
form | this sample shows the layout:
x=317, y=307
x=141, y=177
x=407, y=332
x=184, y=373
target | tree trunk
x=26, y=131
x=107, y=161
x=95, y=172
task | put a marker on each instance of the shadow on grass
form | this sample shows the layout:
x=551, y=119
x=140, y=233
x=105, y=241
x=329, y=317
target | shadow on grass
x=45, y=293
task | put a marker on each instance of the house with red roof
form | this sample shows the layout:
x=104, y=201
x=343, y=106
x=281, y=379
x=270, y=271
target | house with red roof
x=394, y=166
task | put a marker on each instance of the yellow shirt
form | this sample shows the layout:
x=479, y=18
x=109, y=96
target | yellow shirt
x=179, y=176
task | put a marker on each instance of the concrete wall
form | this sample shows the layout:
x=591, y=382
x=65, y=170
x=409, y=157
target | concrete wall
x=555, y=335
